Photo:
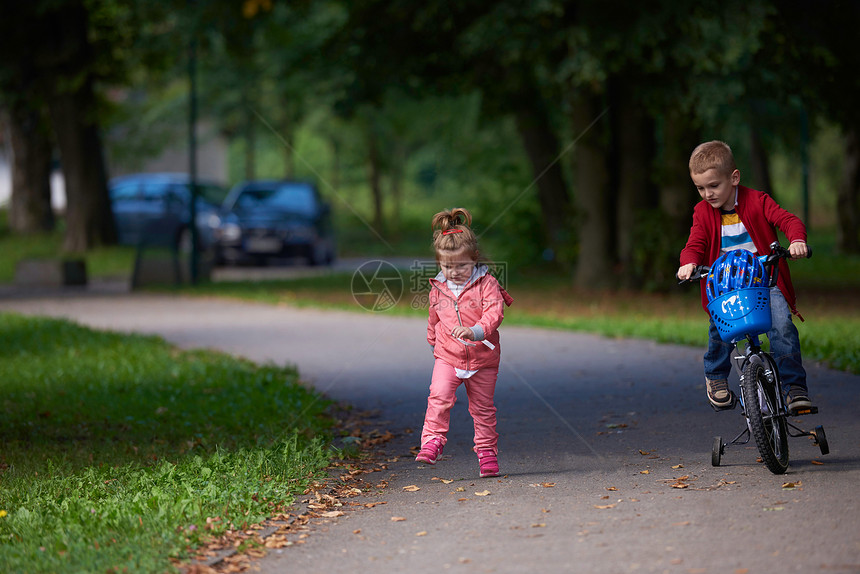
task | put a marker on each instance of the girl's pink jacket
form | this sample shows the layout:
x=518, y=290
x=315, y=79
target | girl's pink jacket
x=481, y=303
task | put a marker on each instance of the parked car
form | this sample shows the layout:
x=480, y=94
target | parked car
x=265, y=219
x=155, y=209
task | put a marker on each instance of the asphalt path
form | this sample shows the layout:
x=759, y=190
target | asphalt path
x=598, y=438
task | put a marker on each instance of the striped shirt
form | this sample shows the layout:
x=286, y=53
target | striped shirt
x=734, y=233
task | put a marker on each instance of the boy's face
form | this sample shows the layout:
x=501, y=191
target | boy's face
x=717, y=188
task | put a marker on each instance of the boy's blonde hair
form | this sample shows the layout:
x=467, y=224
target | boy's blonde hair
x=452, y=232
x=713, y=154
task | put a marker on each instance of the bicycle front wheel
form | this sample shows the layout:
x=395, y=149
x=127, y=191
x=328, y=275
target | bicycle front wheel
x=767, y=424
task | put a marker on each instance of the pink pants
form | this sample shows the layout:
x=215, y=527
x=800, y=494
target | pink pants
x=480, y=388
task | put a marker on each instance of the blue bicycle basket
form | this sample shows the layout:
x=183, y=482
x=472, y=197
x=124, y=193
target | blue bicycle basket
x=738, y=295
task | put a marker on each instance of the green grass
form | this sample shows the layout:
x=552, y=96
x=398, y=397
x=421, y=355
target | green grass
x=117, y=448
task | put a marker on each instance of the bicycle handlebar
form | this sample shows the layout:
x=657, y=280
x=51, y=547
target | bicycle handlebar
x=777, y=252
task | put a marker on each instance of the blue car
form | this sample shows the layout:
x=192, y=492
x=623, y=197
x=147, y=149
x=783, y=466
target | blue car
x=155, y=209
x=275, y=219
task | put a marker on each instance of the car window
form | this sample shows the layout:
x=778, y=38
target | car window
x=124, y=191
x=153, y=191
x=293, y=198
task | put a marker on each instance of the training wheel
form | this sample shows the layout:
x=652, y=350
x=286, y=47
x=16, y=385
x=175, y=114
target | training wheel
x=821, y=439
x=717, y=451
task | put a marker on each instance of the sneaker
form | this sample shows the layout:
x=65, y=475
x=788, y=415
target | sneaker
x=719, y=393
x=489, y=464
x=798, y=399
x=431, y=451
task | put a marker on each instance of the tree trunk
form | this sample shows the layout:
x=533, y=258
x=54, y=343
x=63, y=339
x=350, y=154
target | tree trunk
x=677, y=193
x=848, y=200
x=375, y=176
x=634, y=144
x=250, y=143
x=542, y=147
x=595, y=261
x=287, y=132
x=89, y=220
x=760, y=164
x=30, y=208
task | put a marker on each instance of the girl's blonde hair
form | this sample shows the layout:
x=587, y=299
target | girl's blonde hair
x=452, y=232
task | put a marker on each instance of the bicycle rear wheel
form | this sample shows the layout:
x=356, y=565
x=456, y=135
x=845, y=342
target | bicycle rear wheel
x=767, y=424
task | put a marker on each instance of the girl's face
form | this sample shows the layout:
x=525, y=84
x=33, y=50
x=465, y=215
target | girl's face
x=457, y=266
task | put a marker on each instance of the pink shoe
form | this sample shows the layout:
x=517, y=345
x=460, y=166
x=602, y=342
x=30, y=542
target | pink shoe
x=431, y=451
x=489, y=463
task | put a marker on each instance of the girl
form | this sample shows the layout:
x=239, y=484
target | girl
x=466, y=309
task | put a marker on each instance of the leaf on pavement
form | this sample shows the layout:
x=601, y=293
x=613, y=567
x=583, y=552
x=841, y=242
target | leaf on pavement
x=483, y=493
x=332, y=514
x=397, y=519
x=604, y=506
x=611, y=488
x=792, y=485
x=411, y=488
x=645, y=452
x=816, y=462
x=677, y=466
x=644, y=472
x=422, y=533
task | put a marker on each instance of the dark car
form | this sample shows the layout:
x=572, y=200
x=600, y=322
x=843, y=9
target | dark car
x=268, y=219
x=155, y=209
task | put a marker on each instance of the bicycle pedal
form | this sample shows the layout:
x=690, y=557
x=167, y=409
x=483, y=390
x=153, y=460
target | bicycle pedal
x=731, y=406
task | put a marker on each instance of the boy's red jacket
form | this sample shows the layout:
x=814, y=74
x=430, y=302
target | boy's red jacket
x=481, y=303
x=762, y=216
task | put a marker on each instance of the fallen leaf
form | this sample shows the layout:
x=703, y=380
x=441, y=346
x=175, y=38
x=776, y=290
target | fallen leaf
x=547, y=484
x=331, y=514
x=604, y=506
x=792, y=485
x=483, y=493
x=611, y=488
x=411, y=488
x=677, y=466
x=644, y=472
x=397, y=519
x=422, y=533
x=446, y=481
x=462, y=499
x=357, y=531
x=460, y=489
x=773, y=508
x=644, y=452
x=539, y=525
x=679, y=485
x=816, y=462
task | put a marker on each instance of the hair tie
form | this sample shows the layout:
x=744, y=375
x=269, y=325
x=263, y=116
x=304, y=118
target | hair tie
x=450, y=231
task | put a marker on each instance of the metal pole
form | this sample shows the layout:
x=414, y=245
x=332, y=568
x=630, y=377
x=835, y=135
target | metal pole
x=804, y=159
x=192, y=146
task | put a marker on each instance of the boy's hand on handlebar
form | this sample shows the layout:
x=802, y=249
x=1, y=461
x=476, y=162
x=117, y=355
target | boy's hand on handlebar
x=685, y=271
x=798, y=250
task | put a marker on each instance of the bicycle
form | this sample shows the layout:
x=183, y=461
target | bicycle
x=744, y=314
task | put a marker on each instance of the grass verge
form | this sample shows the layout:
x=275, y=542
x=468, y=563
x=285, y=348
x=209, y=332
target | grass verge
x=121, y=453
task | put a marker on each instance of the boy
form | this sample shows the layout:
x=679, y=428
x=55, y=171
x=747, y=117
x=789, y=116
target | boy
x=731, y=216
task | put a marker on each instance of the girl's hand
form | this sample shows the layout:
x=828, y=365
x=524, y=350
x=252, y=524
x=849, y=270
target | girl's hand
x=462, y=333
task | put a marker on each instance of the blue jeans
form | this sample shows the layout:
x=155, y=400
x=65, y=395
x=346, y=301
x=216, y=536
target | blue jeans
x=784, y=347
